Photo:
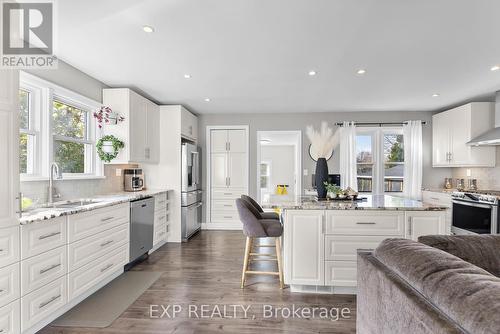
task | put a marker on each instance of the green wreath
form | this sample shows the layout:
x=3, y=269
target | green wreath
x=117, y=146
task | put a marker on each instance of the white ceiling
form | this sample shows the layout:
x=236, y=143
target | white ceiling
x=254, y=55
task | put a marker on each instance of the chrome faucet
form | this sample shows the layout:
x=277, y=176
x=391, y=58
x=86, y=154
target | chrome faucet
x=54, y=169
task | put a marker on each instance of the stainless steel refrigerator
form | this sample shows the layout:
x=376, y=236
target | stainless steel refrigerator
x=192, y=206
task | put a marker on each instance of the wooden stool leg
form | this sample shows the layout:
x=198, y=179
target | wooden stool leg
x=280, y=262
x=248, y=249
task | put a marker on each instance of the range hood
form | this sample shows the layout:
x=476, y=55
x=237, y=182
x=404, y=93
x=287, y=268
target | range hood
x=490, y=137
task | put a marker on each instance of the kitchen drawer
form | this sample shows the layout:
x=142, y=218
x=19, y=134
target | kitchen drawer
x=160, y=201
x=87, y=250
x=39, y=270
x=344, y=248
x=436, y=198
x=223, y=217
x=10, y=318
x=40, y=237
x=84, y=278
x=89, y=223
x=10, y=288
x=341, y=273
x=160, y=234
x=227, y=194
x=41, y=303
x=9, y=245
x=367, y=222
x=224, y=205
x=161, y=218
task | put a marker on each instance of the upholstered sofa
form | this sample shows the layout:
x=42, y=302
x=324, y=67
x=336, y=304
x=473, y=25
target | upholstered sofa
x=441, y=284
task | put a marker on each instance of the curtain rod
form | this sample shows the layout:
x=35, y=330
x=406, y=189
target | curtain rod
x=380, y=124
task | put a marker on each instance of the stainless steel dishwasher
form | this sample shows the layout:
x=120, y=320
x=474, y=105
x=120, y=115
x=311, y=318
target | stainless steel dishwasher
x=141, y=227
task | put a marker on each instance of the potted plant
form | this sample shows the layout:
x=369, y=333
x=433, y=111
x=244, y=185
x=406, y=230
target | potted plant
x=107, y=116
x=332, y=190
x=322, y=143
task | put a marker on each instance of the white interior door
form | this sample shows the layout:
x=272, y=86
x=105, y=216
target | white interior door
x=237, y=141
x=219, y=172
x=9, y=146
x=237, y=170
x=218, y=141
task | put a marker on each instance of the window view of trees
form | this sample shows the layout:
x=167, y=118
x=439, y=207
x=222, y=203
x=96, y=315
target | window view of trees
x=69, y=125
x=394, y=162
x=364, y=159
x=24, y=125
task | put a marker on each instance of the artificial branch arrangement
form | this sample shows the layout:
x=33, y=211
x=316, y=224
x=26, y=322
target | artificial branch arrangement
x=107, y=116
x=322, y=141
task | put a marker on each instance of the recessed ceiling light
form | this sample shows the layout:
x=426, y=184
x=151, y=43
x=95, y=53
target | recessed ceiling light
x=361, y=71
x=435, y=95
x=312, y=73
x=495, y=68
x=187, y=76
x=148, y=29
x=207, y=100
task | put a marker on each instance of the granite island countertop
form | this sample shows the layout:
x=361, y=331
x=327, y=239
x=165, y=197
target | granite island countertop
x=372, y=202
x=98, y=202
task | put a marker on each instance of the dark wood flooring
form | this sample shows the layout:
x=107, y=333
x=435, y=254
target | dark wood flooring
x=207, y=271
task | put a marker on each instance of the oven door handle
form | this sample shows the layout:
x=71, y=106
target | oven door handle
x=476, y=205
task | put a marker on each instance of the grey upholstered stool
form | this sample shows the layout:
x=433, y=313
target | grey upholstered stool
x=263, y=215
x=255, y=227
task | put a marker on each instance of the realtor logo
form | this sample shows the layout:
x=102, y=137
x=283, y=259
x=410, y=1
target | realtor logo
x=28, y=35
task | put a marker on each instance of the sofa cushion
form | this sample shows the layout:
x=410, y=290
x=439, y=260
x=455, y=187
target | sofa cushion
x=469, y=295
x=480, y=250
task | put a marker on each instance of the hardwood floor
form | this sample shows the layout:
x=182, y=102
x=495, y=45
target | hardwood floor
x=207, y=271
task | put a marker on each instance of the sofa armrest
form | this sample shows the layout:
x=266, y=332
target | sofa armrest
x=480, y=250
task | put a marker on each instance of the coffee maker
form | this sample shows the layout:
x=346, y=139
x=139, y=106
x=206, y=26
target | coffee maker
x=134, y=179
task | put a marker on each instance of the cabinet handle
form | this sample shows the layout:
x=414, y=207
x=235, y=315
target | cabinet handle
x=410, y=226
x=43, y=271
x=435, y=198
x=226, y=147
x=228, y=194
x=43, y=304
x=228, y=217
x=366, y=223
x=229, y=144
x=228, y=205
x=48, y=235
x=106, y=243
x=147, y=153
x=107, y=267
x=229, y=181
x=106, y=219
x=323, y=223
x=20, y=204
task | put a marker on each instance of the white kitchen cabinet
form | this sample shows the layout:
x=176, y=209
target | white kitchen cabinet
x=421, y=223
x=140, y=128
x=189, y=125
x=9, y=147
x=304, y=251
x=452, y=129
x=228, y=168
x=10, y=318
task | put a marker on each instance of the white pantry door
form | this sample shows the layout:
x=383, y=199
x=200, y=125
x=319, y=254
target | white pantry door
x=9, y=147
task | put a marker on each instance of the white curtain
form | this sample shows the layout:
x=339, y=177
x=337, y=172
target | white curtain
x=412, y=132
x=348, y=170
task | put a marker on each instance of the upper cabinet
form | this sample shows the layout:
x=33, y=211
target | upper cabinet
x=9, y=147
x=189, y=125
x=140, y=131
x=452, y=129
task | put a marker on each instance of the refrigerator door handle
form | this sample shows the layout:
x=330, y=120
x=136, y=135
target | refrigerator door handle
x=195, y=157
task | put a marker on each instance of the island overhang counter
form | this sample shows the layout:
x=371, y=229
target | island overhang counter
x=321, y=238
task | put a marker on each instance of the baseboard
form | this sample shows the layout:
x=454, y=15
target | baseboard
x=158, y=245
x=222, y=226
x=341, y=290
x=53, y=316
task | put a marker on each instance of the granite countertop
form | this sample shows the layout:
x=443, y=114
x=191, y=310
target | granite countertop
x=372, y=202
x=98, y=202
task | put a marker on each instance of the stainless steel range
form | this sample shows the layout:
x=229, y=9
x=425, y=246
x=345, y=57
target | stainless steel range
x=474, y=213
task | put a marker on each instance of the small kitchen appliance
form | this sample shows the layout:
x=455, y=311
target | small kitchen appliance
x=134, y=179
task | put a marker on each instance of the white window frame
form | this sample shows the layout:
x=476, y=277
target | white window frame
x=268, y=175
x=45, y=94
x=378, y=180
x=31, y=130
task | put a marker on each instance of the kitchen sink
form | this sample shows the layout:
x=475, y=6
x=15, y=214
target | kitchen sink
x=72, y=204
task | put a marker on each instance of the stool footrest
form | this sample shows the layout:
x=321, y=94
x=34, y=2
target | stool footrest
x=262, y=272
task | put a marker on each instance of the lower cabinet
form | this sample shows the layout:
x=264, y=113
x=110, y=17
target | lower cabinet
x=320, y=246
x=10, y=318
x=41, y=303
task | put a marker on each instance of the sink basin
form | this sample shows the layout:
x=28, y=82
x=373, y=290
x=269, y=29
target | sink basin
x=72, y=204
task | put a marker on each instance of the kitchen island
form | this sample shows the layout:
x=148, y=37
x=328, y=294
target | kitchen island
x=321, y=238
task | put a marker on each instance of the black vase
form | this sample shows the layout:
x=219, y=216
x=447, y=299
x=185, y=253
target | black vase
x=321, y=177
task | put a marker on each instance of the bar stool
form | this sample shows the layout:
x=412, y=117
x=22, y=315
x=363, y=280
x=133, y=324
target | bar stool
x=255, y=227
x=263, y=215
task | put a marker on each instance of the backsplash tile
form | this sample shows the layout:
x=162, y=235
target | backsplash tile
x=71, y=189
x=487, y=178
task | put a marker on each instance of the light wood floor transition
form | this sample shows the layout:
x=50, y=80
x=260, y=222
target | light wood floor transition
x=202, y=277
